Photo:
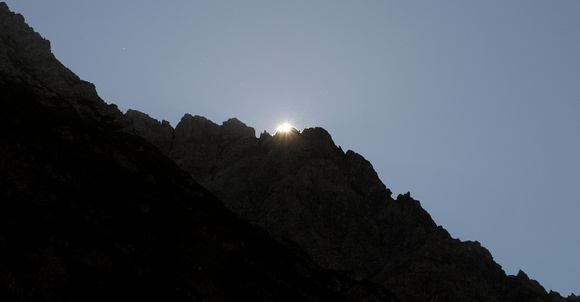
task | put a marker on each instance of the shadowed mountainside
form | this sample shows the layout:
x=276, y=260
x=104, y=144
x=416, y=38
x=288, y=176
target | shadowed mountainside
x=301, y=186
x=91, y=213
x=94, y=212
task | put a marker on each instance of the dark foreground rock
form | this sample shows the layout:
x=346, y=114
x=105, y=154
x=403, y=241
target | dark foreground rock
x=91, y=213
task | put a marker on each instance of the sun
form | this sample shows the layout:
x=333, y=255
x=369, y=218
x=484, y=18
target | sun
x=284, y=127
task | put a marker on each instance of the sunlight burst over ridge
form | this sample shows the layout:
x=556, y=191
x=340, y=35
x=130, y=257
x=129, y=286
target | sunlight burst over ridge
x=284, y=127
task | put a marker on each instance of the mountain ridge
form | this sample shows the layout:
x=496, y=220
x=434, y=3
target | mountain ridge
x=227, y=165
x=91, y=213
x=290, y=184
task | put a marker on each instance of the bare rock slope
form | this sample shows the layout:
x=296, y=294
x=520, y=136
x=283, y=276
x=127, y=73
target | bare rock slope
x=91, y=213
x=301, y=186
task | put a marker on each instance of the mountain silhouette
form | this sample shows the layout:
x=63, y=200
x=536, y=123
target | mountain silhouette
x=301, y=186
x=101, y=205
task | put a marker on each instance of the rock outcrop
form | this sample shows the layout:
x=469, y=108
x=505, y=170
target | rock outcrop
x=27, y=58
x=301, y=186
x=159, y=133
x=91, y=213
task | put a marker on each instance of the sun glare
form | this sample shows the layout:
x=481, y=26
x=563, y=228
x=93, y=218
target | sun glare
x=284, y=128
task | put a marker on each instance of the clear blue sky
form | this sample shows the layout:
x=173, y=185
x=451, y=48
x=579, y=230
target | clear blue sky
x=473, y=106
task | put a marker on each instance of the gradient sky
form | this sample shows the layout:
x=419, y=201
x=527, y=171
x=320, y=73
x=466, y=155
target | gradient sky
x=473, y=106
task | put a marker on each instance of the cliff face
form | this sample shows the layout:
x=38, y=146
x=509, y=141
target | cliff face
x=301, y=186
x=91, y=213
x=27, y=58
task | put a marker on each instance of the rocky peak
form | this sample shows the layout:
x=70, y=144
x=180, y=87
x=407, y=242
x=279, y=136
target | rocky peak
x=27, y=60
x=318, y=136
x=363, y=176
x=91, y=213
x=142, y=227
x=234, y=128
x=195, y=125
x=301, y=186
x=298, y=185
x=159, y=133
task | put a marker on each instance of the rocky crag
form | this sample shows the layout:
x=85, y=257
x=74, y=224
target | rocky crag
x=94, y=212
x=301, y=186
x=91, y=213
